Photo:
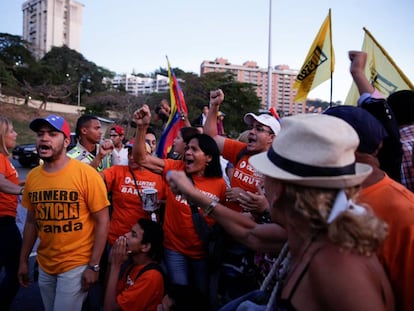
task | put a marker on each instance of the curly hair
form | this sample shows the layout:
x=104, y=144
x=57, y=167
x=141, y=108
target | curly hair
x=363, y=233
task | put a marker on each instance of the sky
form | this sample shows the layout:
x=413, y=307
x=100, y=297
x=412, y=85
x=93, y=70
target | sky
x=131, y=35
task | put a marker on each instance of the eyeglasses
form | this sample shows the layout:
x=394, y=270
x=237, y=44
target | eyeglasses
x=260, y=129
x=113, y=135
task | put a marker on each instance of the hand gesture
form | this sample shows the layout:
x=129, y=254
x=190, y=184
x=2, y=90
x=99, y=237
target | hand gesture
x=179, y=182
x=119, y=252
x=142, y=116
x=233, y=194
x=255, y=203
x=106, y=147
x=216, y=97
x=358, y=61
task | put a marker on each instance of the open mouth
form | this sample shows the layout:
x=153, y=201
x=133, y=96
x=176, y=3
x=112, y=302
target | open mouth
x=43, y=148
x=251, y=140
x=128, y=250
x=188, y=163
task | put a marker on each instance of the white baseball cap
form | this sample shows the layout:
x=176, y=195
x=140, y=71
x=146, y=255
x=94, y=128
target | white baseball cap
x=264, y=119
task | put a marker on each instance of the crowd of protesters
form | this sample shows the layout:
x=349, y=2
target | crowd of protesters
x=317, y=212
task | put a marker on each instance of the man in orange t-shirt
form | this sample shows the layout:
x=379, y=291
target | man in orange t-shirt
x=67, y=209
x=244, y=194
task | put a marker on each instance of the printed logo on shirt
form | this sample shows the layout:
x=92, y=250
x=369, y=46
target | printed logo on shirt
x=130, y=188
x=58, y=206
x=247, y=174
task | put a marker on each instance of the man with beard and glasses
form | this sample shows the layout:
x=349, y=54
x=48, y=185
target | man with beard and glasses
x=67, y=209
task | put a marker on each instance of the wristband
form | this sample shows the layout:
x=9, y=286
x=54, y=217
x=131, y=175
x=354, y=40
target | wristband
x=209, y=209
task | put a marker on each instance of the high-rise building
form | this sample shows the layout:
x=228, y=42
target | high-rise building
x=48, y=23
x=283, y=79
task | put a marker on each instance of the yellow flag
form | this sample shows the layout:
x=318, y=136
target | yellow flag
x=319, y=63
x=381, y=70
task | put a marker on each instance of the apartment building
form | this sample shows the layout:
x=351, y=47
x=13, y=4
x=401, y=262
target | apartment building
x=141, y=85
x=283, y=79
x=48, y=23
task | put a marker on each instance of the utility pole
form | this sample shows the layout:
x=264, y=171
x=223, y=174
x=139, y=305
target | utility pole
x=79, y=86
x=269, y=70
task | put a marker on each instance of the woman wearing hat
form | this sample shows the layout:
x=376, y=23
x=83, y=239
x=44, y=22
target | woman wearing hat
x=311, y=178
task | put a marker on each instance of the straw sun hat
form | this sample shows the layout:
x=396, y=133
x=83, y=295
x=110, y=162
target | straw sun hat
x=313, y=150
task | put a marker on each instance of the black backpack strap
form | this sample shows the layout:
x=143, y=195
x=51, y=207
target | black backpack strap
x=150, y=266
x=202, y=228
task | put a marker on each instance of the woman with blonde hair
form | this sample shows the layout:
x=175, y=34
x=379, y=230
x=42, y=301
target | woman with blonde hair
x=10, y=238
x=311, y=180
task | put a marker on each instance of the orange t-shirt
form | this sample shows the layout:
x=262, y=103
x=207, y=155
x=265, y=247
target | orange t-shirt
x=244, y=175
x=179, y=232
x=394, y=204
x=8, y=202
x=62, y=203
x=126, y=203
x=144, y=293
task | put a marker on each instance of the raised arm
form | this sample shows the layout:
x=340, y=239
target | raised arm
x=260, y=237
x=358, y=61
x=142, y=119
x=105, y=149
x=210, y=127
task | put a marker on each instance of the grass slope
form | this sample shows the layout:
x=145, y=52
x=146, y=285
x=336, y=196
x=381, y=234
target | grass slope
x=21, y=116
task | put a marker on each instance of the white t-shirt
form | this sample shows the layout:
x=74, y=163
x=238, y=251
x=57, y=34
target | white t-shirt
x=120, y=157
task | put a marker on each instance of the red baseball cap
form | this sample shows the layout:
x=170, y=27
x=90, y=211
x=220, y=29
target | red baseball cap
x=118, y=129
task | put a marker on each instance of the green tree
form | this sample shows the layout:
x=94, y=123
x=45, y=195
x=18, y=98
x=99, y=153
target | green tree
x=239, y=98
x=70, y=67
x=14, y=51
x=14, y=57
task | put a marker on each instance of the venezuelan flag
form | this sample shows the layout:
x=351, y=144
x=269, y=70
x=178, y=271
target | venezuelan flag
x=175, y=121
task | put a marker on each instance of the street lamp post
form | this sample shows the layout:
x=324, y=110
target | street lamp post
x=84, y=78
x=269, y=71
x=79, y=85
